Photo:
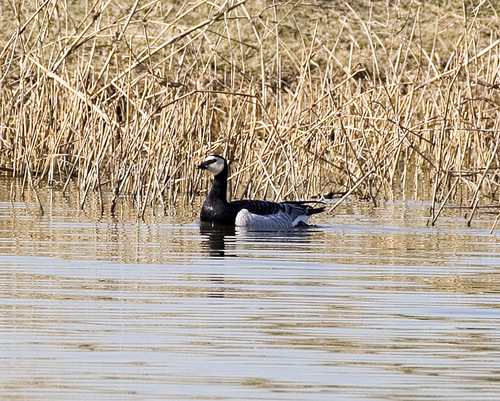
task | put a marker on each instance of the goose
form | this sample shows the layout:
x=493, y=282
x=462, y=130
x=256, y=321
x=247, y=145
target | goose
x=249, y=213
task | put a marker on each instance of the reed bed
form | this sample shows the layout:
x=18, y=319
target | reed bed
x=309, y=99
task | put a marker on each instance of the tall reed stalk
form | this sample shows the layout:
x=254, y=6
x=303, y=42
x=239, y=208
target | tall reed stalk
x=308, y=99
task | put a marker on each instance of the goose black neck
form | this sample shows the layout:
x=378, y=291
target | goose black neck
x=219, y=186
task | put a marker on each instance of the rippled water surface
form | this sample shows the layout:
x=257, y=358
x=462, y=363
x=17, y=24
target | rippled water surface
x=371, y=304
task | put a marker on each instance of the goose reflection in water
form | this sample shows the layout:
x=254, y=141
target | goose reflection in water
x=215, y=238
x=229, y=241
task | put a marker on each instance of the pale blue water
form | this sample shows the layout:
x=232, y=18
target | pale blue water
x=369, y=305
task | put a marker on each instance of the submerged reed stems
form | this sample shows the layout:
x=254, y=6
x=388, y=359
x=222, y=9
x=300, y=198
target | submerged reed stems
x=308, y=99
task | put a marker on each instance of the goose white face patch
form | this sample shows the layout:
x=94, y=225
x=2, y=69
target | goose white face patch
x=215, y=164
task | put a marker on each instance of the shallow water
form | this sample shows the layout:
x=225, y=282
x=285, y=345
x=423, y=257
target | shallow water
x=371, y=304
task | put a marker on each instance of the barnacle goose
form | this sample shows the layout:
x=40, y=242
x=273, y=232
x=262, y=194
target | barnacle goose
x=251, y=214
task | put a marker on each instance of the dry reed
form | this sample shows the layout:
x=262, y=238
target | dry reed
x=308, y=99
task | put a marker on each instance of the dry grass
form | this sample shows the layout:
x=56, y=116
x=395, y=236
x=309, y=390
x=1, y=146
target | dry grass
x=308, y=98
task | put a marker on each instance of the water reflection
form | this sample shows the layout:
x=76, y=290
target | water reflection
x=227, y=241
x=372, y=304
x=215, y=238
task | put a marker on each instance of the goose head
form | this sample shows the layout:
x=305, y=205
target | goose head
x=214, y=163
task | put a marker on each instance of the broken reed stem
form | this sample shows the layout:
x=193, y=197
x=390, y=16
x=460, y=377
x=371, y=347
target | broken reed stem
x=364, y=178
x=494, y=224
x=443, y=203
x=475, y=197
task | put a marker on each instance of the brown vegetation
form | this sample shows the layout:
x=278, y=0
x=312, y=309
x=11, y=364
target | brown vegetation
x=308, y=98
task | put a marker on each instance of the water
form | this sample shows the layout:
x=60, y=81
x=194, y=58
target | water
x=369, y=305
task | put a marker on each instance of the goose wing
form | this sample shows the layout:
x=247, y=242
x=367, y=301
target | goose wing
x=267, y=215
